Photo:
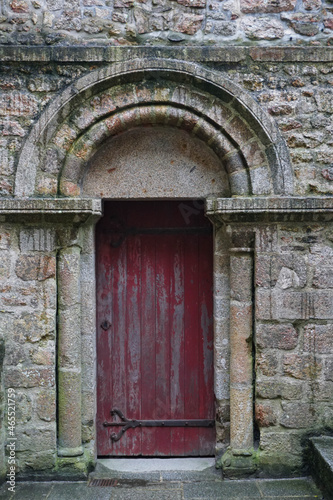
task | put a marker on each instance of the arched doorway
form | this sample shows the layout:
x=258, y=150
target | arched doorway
x=252, y=159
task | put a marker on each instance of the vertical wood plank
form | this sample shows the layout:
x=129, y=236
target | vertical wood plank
x=148, y=342
x=193, y=342
x=177, y=343
x=162, y=436
x=118, y=361
x=133, y=347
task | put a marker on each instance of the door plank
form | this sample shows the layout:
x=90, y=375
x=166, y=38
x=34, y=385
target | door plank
x=176, y=299
x=148, y=341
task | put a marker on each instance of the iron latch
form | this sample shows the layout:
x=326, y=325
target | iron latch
x=132, y=424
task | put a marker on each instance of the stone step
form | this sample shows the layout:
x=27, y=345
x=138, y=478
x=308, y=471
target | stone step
x=321, y=464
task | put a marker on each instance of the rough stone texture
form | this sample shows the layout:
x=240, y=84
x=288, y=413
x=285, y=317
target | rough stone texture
x=293, y=257
x=294, y=358
x=306, y=127
x=143, y=155
x=125, y=22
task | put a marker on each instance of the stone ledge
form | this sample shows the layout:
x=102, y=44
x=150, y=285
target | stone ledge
x=196, y=54
x=31, y=209
x=270, y=209
x=50, y=205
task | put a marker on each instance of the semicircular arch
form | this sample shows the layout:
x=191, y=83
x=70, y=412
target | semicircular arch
x=111, y=100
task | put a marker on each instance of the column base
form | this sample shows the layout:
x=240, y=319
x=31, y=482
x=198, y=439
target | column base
x=238, y=464
x=70, y=452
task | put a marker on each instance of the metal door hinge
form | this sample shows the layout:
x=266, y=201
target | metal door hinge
x=132, y=424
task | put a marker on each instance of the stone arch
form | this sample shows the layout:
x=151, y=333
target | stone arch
x=114, y=99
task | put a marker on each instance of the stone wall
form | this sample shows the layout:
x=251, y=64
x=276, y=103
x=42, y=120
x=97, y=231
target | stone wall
x=293, y=281
x=27, y=323
x=298, y=95
x=293, y=338
x=130, y=22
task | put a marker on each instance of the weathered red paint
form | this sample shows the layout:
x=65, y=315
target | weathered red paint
x=155, y=361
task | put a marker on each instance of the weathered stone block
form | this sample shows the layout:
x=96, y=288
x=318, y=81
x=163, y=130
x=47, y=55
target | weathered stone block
x=312, y=4
x=305, y=366
x=241, y=411
x=285, y=271
x=261, y=6
x=65, y=137
x=32, y=327
x=282, y=336
x=301, y=305
x=35, y=267
x=23, y=407
x=193, y=3
x=265, y=415
x=19, y=6
x=18, y=104
x=261, y=183
x=222, y=28
x=52, y=161
x=324, y=100
x=266, y=239
x=320, y=391
x=280, y=443
x=280, y=109
x=298, y=415
x=6, y=160
x=16, y=354
x=323, y=277
x=43, y=355
x=46, y=405
x=5, y=239
x=267, y=363
x=263, y=304
x=262, y=28
x=30, y=377
x=37, y=440
x=274, y=389
x=39, y=239
x=40, y=461
x=329, y=369
x=4, y=264
x=189, y=23
x=47, y=186
x=318, y=338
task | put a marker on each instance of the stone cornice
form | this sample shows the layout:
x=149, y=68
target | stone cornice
x=53, y=209
x=109, y=54
x=282, y=209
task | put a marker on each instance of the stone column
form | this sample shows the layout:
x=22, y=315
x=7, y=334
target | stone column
x=69, y=353
x=241, y=363
x=240, y=458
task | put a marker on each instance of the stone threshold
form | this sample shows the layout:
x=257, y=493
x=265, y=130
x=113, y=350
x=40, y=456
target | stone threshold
x=157, y=464
x=107, y=54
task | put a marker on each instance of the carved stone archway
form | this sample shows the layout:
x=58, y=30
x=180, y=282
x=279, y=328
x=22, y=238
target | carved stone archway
x=163, y=92
x=54, y=161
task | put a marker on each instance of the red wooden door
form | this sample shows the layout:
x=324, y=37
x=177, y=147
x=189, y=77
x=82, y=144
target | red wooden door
x=155, y=327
